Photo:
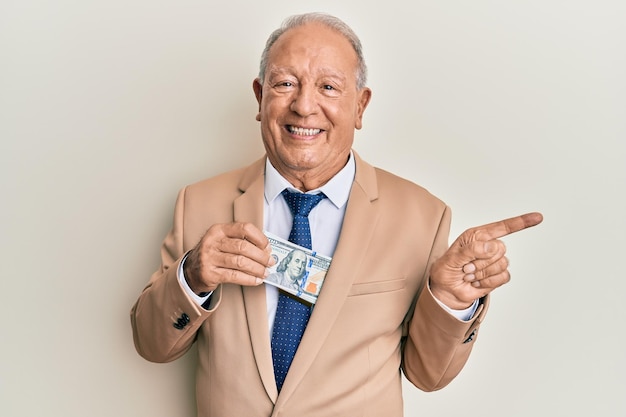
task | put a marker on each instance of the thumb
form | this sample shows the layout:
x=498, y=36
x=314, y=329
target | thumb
x=482, y=254
x=488, y=249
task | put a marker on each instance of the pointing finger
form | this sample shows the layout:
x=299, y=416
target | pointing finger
x=506, y=227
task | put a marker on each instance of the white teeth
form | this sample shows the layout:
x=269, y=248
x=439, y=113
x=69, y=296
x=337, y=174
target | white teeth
x=304, y=132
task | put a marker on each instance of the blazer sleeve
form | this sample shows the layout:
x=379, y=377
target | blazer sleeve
x=438, y=344
x=165, y=319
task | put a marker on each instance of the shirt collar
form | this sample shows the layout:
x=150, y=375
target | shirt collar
x=337, y=189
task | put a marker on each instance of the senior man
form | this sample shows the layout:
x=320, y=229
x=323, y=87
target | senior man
x=396, y=297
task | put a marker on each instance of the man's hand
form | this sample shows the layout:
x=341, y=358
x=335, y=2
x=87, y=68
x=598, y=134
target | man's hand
x=475, y=264
x=237, y=253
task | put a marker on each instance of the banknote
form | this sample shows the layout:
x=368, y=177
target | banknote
x=298, y=270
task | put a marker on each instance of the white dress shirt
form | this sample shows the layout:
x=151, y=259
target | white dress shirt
x=325, y=220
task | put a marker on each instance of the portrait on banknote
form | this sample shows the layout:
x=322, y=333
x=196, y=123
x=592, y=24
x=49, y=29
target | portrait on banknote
x=298, y=270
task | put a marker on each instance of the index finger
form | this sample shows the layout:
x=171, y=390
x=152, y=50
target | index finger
x=507, y=226
x=246, y=231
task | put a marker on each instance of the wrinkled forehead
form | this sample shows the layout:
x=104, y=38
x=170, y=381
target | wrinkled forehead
x=316, y=46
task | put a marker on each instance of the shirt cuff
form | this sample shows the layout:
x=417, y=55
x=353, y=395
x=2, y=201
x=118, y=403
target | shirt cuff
x=463, y=315
x=183, y=282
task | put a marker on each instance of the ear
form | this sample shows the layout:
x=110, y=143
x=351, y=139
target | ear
x=363, y=99
x=258, y=93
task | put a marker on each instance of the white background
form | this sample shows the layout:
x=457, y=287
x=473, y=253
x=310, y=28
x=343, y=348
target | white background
x=107, y=108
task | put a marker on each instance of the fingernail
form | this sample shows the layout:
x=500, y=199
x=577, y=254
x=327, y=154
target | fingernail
x=476, y=284
x=489, y=246
x=259, y=281
x=266, y=274
x=469, y=277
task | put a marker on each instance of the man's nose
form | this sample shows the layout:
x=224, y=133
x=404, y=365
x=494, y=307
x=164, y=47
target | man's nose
x=304, y=101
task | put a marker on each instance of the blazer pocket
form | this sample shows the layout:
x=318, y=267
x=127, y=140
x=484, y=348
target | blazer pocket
x=377, y=287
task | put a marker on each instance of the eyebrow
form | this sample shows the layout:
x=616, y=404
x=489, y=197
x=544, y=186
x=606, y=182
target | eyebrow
x=324, y=72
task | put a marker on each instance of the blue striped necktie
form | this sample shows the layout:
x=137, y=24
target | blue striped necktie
x=292, y=316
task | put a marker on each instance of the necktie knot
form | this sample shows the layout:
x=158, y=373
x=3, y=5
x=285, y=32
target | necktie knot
x=301, y=204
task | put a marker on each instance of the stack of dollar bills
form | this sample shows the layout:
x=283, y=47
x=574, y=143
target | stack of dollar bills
x=298, y=270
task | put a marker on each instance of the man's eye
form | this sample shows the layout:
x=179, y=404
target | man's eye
x=328, y=87
x=285, y=84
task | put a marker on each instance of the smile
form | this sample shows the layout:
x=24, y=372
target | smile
x=301, y=131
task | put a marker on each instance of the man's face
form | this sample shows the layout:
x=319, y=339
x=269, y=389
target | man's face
x=296, y=267
x=309, y=104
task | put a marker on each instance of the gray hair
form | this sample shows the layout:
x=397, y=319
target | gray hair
x=327, y=20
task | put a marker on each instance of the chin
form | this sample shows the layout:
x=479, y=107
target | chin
x=302, y=162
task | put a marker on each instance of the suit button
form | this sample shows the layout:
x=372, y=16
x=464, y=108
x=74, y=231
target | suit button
x=471, y=337
x=182, y=321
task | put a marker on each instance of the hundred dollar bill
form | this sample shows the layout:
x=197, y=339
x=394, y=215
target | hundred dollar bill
x=298, y=270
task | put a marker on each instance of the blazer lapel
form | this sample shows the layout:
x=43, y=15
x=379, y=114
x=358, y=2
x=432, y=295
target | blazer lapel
x=249, y=208
x=356, y=233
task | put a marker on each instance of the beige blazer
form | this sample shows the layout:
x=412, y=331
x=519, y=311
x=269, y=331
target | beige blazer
x=374, y=316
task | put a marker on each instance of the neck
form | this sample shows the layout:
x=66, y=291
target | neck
x=309, y=179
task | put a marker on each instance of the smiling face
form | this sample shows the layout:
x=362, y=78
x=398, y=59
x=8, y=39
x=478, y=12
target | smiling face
x=309, y=104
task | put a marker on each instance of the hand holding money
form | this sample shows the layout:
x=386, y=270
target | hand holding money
x=475, y=264
x=237, y=253
x=298, y=270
